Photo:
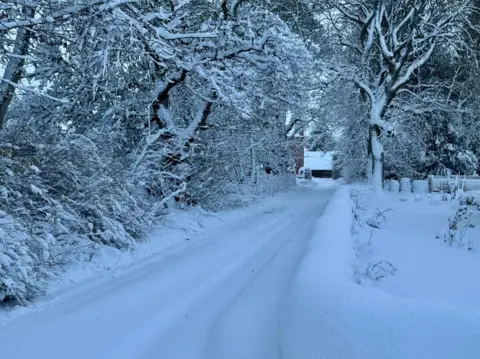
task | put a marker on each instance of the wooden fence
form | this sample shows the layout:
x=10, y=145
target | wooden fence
x=448, y=183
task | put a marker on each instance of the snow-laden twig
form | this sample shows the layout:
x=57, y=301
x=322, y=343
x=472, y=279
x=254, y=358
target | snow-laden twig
x=34, y=91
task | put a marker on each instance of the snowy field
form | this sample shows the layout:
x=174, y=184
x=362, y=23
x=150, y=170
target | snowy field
x=412, y=249
x=214, y=291
x=391, y=288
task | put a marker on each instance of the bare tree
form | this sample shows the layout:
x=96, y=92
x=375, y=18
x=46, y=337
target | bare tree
x=382, y=45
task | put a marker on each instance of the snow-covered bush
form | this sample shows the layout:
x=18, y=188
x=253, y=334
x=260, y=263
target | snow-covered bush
x=464, y=223
x=377, y=219
x=380, y=270
x=368, y=221
x=58, y=190
x=23, y=261
x=107, y=208
x=458, y=224
x=26, y=218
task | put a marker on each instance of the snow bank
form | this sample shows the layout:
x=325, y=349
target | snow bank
x=320, y=183
x=329, y=316
x=337, y=219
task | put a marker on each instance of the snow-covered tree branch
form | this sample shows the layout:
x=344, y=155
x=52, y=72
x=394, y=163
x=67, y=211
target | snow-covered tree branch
x=124, y=109
x=383, y=45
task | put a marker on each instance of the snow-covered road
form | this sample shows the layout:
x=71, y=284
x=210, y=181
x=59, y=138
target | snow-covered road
x=220, y=298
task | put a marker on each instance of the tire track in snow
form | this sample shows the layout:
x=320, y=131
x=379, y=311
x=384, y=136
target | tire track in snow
x=182, y=307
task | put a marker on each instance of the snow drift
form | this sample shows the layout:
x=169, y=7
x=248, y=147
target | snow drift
x=329, y=316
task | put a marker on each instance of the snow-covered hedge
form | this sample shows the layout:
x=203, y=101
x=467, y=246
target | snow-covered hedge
x=63, y=196
x=59, y=198
x=21, y=257
x=25, y=236
x=328, y=315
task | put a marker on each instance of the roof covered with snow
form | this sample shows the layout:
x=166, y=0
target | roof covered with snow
x=318, y=160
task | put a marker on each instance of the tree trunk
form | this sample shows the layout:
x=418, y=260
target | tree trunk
x=369, y=167
x=375, y=149
x=13, y=71
x=253, y=173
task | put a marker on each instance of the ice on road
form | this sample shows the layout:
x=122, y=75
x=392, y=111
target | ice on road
x=220, y=299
